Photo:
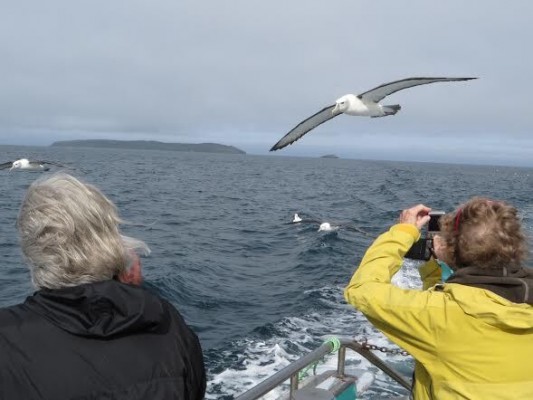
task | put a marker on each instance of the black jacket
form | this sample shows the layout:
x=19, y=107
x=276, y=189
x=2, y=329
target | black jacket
x=105, y=340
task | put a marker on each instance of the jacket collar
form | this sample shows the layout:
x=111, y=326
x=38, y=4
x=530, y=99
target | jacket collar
x=101, y=309
x=512, y=283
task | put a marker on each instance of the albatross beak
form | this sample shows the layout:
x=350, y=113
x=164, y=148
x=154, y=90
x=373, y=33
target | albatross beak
x=335, y=109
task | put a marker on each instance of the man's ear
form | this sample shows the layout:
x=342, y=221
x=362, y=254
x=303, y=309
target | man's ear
x=133, y=275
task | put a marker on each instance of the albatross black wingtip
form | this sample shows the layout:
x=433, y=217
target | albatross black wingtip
x=468, y=78
x=277, y=147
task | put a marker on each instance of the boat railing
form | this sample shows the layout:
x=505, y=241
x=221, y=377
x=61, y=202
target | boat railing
x=292, y=371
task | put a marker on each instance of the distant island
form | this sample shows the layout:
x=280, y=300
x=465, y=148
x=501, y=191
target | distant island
x=329, y=156
x=150, y=145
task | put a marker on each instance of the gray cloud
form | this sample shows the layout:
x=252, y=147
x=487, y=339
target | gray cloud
x=244, y=72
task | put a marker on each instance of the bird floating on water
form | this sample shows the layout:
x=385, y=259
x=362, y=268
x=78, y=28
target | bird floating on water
x=365, y=104
x=24, y=164
x=326, y=226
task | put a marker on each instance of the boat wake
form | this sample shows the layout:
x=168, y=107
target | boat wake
x=268, y=349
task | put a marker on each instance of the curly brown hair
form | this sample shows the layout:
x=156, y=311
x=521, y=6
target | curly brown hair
x=484, y=233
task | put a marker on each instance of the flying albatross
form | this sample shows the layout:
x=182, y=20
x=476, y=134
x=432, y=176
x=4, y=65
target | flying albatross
x=24, y=164
x=365, y=104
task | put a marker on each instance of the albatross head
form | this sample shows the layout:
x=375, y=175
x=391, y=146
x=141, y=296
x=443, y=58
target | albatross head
x=341, y=104
x=16, y=165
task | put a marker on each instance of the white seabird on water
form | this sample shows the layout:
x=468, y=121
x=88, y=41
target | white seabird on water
x=327, y=227
x=324, y=226
x=305, y=220
x=365, y=104
x=24, y=164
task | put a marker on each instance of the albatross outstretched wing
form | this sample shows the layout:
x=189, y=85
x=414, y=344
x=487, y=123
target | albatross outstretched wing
x=305, y=126
x=6, y=165
x=379, y=93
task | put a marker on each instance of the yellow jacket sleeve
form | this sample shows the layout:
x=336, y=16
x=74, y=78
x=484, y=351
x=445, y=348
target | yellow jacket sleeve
x=403, y=315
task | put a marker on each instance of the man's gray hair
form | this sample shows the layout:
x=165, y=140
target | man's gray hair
x=69, y=234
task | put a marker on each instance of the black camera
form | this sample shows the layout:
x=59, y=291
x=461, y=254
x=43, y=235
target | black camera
x=421, y=250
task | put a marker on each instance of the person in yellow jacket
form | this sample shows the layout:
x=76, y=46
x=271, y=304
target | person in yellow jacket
x=471, y=335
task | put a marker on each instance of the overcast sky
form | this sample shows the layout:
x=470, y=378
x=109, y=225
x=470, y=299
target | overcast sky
x=244, y=72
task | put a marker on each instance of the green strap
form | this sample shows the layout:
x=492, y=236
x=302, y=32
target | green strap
x=336, y=344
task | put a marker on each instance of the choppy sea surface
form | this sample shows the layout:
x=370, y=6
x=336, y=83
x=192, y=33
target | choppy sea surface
x=258, y=290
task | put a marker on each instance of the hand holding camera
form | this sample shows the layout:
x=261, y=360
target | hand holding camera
x=417, y=215
x=421, y=215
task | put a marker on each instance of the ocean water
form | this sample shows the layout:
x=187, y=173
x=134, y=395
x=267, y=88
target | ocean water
x=258, y=290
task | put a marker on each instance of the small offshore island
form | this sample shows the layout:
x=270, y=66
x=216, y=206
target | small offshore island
x=329, y=156
x=150, y=145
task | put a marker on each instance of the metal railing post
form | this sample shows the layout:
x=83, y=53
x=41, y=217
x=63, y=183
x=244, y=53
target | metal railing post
x=294, y=385
x=341, y=360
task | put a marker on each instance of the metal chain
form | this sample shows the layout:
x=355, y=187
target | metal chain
x=383, y=349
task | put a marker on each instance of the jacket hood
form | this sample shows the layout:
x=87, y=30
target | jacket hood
x=101, y=310
x=510, y=292
x=514, y=284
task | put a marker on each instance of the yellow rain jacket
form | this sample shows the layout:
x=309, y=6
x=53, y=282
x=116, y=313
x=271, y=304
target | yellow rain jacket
x=468, y=343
